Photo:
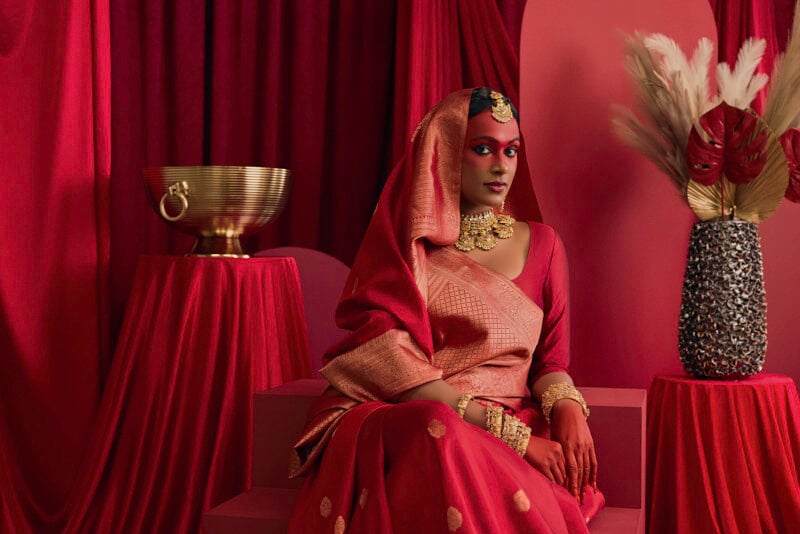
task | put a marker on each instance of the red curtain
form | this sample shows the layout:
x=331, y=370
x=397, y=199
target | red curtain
x=329, y=89
x=285, y=83
x=737, y=20
x=55, y=154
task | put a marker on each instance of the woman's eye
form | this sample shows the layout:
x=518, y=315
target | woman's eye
x=482, y=150
x=511, y=151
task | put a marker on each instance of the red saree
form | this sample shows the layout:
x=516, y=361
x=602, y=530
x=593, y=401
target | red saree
x=419, y=311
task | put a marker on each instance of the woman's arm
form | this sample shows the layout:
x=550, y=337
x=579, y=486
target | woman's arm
x=440, y=390
x=545, y=455
x=568, y=426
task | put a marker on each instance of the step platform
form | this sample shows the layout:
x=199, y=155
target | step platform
x=617, y=421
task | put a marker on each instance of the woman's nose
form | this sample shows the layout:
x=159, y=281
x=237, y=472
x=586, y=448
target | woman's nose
x=499, y=168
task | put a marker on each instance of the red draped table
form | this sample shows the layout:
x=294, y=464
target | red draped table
x=723, y=455
x=174, y=437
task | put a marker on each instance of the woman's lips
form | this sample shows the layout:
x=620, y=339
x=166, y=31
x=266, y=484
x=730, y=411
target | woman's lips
x=497, y=187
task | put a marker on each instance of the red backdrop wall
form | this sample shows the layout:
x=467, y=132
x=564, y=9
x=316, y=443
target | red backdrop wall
x=625, y=226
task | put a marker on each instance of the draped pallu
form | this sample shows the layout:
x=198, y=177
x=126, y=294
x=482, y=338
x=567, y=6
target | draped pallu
x=485, y=331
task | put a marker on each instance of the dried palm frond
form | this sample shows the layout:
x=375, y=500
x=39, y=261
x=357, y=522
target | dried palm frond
x=782, y=109
x=693, y=75
x=754, y=201
x=740, y=86
x=672, y=93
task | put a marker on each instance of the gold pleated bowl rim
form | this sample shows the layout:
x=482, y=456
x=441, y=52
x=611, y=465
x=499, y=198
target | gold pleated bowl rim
x=265, y=182
x=224, y=190
x=214, y=171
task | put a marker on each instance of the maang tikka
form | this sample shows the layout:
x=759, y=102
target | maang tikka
x=501, y=110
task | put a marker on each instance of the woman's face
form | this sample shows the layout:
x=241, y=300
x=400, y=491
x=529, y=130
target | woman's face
x=490, y=162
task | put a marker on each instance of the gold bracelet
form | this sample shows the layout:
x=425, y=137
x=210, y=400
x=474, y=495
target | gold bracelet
x=556, y=392
x=509, y=433
x=523, y=438
x=461, y=407
x=494, y=420
x=515, y=434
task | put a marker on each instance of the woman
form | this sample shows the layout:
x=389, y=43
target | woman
x=459, y=328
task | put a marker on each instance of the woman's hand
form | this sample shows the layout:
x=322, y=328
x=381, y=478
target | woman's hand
x=548, y=457
x=569, y=428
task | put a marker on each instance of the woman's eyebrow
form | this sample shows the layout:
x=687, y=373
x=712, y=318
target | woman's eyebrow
x=490, y=138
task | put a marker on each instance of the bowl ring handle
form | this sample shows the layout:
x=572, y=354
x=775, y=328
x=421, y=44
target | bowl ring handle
x=180, y=190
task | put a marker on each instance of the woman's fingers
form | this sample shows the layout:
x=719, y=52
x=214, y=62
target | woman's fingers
x=593, y=473
x=573, y=472
x=587, y=469
x=558, y=468
x=552, y=474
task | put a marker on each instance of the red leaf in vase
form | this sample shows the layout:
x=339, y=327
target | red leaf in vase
x=735, y=147
x=790, y=140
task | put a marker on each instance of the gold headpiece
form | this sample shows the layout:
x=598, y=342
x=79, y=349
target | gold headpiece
x=501, y=110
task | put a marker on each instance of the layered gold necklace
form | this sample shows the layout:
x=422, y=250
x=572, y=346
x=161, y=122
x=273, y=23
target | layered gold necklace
x=482, y=230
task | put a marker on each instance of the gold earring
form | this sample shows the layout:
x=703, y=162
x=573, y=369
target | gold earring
x=503, y=206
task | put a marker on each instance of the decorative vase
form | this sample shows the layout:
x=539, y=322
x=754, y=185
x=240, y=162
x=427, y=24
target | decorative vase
x=722, y=330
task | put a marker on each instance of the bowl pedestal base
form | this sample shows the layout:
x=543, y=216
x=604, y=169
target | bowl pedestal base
x=218, y=246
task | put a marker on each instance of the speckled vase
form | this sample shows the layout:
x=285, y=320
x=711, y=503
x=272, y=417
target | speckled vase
x=722, y=329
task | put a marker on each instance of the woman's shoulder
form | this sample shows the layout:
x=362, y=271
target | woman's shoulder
x=543, y=235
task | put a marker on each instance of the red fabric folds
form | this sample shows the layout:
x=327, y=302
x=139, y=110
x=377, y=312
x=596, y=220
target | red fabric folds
x=737, y=21
x=724, y=456
x=173, y=438
x=55, y=153
x=434, y=58
x=418, y=467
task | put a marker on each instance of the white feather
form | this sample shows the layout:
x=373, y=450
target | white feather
x=699, y=69
x=740, y=86
x=672, y=57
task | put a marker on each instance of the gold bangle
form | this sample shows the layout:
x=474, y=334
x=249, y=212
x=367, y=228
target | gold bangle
x=523, y=438
x=558, y=391
x=509, y=434
x=494, y=420
x=461, y=407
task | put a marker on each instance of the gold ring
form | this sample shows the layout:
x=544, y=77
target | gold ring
x=180, y=190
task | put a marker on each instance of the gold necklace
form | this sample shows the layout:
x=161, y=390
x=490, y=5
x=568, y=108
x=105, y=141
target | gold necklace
x=482, y=230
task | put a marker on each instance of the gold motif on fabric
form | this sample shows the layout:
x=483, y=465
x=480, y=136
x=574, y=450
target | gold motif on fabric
x=521, y=501
x=362, y=499
x=380, y=368
x=501, y=110
x=484, y=327
x=436, y=428
x=482, y=230
x=338, y=527
x=454, y=519
x=325, y=507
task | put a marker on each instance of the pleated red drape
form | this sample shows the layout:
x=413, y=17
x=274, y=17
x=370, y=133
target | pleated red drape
x=433, y=59
x=738, y=20
x=329, y=89
x=55, y=154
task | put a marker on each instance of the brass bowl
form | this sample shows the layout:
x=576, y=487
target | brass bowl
x=217, y=204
